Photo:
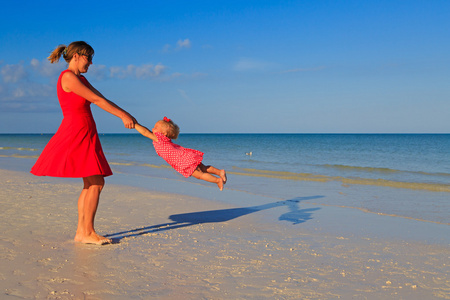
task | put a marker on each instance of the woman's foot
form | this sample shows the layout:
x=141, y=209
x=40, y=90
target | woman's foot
x=93, y=238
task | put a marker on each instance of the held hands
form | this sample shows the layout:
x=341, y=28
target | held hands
x=129, y=121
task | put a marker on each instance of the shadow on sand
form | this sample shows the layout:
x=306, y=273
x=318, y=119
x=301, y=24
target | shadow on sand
x=295, y=215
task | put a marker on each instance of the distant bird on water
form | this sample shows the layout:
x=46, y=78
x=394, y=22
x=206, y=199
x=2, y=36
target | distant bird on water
x=249, y=153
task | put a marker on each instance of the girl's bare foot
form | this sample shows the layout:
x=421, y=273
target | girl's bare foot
x=220, y=184
x=223, y=175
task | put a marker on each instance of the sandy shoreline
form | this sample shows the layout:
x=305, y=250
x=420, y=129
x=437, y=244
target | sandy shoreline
x=174, y=246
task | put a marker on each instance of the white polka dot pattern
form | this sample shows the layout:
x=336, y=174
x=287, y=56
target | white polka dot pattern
x=183, y=160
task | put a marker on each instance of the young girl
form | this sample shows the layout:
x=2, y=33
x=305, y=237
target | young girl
x=188, y=162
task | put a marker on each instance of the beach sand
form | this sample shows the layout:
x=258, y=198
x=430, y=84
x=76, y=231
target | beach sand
x=177, y=246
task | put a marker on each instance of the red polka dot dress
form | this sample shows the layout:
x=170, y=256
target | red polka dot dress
x=183, y=160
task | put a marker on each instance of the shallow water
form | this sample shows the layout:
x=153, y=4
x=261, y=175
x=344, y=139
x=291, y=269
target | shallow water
x=402, y=175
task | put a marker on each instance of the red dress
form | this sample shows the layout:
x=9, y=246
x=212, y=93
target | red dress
x=183, y=160
x=75, y=149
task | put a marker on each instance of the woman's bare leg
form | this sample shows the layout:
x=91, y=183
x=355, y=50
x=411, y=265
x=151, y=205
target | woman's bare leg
x=87, y=208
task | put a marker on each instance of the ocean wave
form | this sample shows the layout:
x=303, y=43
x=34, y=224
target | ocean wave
x=383, y=170
x=121, y=164
x=434, y=187
x=138, y=165
x=20, y=156
x=156, y=166
x=18, y=148
x=365, y=169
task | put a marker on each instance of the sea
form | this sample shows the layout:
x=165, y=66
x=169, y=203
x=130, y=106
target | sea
x=405, y=175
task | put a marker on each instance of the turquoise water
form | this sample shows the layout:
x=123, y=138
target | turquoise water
x=413, y=168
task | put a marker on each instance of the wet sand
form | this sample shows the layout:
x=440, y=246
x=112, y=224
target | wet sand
x=177, y=246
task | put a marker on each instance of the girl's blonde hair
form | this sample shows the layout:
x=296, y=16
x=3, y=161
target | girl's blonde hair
x=173, y=130
x=67, y=52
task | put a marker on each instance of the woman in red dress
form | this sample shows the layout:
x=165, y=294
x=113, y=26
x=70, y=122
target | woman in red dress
x=75, y=149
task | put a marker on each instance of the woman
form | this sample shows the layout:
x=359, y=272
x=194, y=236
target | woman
x=75, y=149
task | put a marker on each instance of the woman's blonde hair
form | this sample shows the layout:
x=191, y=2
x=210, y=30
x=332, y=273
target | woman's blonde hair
x=172, y=129
x=67, y=52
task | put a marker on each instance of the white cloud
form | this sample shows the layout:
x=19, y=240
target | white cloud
x=31, y=87
x=145, y=71
x=13, y=73
x=139, y=72
x=166, y=48
x=28, y=96
x=28, y=87
x=159, y=69
x=46, y=68
x=98, y=72
x=34, y=63
x=28, y=90
x=186, y=43
x=19, y=93
x=181, y=44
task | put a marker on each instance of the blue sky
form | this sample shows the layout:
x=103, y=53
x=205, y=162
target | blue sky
x=236, y=66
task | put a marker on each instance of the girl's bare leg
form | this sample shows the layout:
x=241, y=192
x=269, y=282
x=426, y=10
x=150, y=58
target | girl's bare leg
x=87, y=208
x=199, y=174
x=212, y=170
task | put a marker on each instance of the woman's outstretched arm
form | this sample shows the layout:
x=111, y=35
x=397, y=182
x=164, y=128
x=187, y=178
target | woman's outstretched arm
x=71, y=83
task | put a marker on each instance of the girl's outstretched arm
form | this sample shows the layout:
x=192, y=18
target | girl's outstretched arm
x=145, y=132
